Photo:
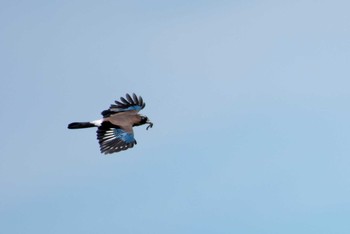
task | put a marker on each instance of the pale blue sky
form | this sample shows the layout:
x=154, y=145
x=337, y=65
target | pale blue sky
x=250, y=101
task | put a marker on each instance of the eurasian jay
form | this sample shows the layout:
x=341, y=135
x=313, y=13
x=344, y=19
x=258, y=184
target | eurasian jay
x=115, y=129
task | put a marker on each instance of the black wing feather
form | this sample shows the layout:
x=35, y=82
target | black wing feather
x=130, y=99
x=130, y=103
x=110, y=142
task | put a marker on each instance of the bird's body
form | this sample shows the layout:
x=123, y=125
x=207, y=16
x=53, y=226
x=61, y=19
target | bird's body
x=115, y=130
x=124, y=119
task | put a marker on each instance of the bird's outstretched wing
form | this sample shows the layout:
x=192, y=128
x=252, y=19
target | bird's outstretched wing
x=113, y=140
x=130, y=103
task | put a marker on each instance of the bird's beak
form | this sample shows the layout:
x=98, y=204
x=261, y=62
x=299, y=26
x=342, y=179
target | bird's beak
x=150, y=124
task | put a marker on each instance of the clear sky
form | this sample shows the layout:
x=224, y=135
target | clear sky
x=250, y=104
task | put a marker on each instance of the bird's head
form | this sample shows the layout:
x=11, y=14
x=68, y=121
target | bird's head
x=145, y=120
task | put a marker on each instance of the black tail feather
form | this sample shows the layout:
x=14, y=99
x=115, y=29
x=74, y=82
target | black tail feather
x=77, y=125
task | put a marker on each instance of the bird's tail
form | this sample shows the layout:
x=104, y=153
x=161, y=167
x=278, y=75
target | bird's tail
x=77, y=125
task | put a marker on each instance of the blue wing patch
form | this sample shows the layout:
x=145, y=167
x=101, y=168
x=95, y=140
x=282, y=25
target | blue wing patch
x=137, y=108
x=124, y=136
x=113, y=140
x=130, y=103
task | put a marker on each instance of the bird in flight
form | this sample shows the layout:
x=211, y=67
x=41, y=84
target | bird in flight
x=115, y=130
